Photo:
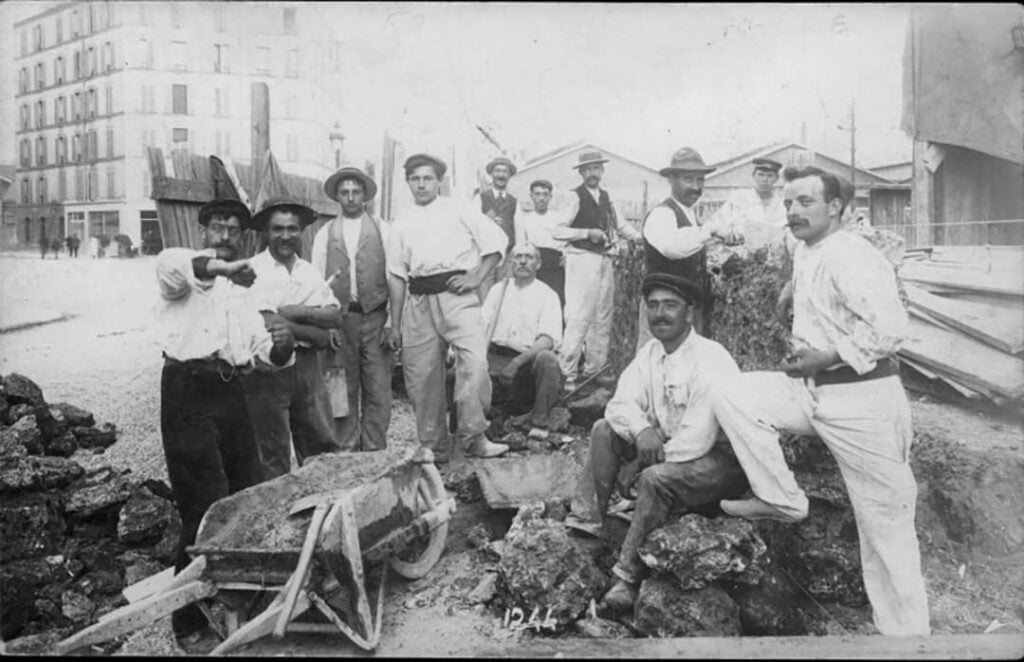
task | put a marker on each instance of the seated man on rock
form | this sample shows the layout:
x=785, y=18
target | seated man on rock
x=526, y=319
x=660, y=422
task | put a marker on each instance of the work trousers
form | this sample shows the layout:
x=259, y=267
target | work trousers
x=368, y=375
x=589, y=305
x=866, y=426
x=209, y=450
x=536, y=385
x=290, y=406
x=552, y=272
x=668, y=488
x=431, y=323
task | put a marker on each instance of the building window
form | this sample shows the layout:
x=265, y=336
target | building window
x=24, y=42
x=220, y=58
x=144, y=53
x=179, y=136
x=62, y=150
x=76, y=24
x=179, y=99
x=60, y=28
x=289, y=20
x=92, y=189
x=78, y=64
x=62, y=185
x=261, y=59
x=93, y=151
x=41, y=189
x=92, y=18
x=108, y=92
x=40, y=114
x=37, y=37
x=76, y=106
x=110, y=143
x=179, y=55
x=79, y=184
x=111, y=183
x=293, y=62
x=23, y=80
x=40, y=76
x=93, y=103
x=25, y=121
x=108, y=56
x=25, y=152
x=26, y=190
x=76, y=148
x=40, y=150
x=58, y=70
x=60, y=110
x=92, y=59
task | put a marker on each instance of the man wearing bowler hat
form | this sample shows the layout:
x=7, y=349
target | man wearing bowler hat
x=439, y=252
x=757, y=213
x=291, y=406
x=591, y=227
x=659, y=430
x=500, y=206
x=349, y=252
x=674, y=241
x=210, y=337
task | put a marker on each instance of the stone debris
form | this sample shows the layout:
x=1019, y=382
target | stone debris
x=91, y=499
x=771, y=607
x=144, y=517
x=595, y=627
x=19, y=389
x=76, y=606
x=101, y=436
x=31, y=525
x=64, y=445
x=479, y=537
x=663, y=609
x=558, y=419
x=584, y=412
x=485, y=590
x=75, y=416
x=26, y=433
x=17, y=412
x=697, y=550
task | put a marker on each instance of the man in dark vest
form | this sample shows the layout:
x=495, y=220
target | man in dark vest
x=592, y=227
x=500, y=206
x=348, y=252
x=674, y=240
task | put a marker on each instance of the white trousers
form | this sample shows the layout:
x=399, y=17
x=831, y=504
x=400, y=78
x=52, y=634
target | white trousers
x=866, y=425
x=589, y=306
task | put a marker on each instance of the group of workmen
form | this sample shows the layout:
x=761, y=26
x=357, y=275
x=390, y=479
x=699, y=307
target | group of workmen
x=275, y=355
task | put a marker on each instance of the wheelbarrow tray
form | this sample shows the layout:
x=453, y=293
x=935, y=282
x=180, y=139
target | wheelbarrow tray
x=250, y=537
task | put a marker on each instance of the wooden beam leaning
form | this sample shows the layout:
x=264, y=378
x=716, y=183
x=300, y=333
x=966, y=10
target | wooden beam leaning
x=184, y=190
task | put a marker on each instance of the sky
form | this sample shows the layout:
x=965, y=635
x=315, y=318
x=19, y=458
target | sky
x=638, y=79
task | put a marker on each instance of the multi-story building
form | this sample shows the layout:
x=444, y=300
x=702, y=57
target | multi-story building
x=99, y=81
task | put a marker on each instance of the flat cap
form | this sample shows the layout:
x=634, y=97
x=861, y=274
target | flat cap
x=684, y=287
x=417, y=160
x=766, y=164
x=542, y=183
x=226, y=207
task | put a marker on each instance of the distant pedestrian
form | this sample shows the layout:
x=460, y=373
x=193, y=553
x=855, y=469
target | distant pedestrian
x=55, y=245
x=94, y=247
x=68, y=241
x=44, y=245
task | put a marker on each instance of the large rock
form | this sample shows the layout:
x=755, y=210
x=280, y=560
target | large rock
x=37, y=473
x=64, y=445
x=75, y=416
x=4, y=407
x=51, y=422
x=22, y=582
x=697, y=550
x=76, y=606
x=594, y=627
x=771, y=607
x=88, y=500
x=815, y=469
x=10, y=445
x=17, y=412
x=31, y=525
x=100, y=436
x=144, y=517
x=19, y=389
x=26, y=433
x=663, y=609
x=541, y=568
x=586, y=411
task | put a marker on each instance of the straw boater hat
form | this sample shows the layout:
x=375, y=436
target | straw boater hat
x=305, y=214
x=229, y=207
x=684, y=287
x=501, y=160
x=686, y=159
x=417, y=160
x=331, y=185
x=766, y=164
x=587, y=158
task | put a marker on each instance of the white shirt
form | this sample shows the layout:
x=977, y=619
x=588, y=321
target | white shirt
x=526, y=313
x=538, y=229
x=351, y=228
x=201, y=319
x=275, y=286
x=845, y=298
x=565, y=232
x=672, y=392
x=673, y=242
x=746, y=214
x=444, y=235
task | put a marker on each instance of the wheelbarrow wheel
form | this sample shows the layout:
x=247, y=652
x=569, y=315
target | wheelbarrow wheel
x=431, y=486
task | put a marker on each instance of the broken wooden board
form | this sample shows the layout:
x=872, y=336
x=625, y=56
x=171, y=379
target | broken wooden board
x=969, y=361
x=1003, y=281
x=1002, y=328
x=514, y=481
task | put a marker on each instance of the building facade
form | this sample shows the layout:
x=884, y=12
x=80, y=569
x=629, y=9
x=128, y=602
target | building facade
x=99, y=81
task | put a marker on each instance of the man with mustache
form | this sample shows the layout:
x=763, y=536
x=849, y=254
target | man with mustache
x=349, y=253
x=527, y=325
x=291, y=406
x=659, y=424
x=439, y=251
x=500, y=206
x=591, y=227
x=840, y=383
x=210, y=337
x=536, y=227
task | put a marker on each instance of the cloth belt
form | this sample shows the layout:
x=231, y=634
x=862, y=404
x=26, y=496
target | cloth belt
x=209, y=366
x=847, y=375
x=433, y=284
x=356, y=307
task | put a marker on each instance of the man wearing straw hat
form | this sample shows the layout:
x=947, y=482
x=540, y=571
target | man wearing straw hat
x=591, y=228
x=291, y=406
x=439, y=252
x=349, y=252
x=500, y=206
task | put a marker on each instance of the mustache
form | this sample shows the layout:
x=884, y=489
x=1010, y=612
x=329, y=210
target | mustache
x=661, y=320
x=693, y=191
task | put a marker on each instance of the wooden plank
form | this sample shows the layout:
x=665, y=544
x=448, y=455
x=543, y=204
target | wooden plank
x=260, y=139
x=171, y=188
x=1001, y=328
x=966, y=359
x=149, y=585
x=999, y=282
x=854, y=646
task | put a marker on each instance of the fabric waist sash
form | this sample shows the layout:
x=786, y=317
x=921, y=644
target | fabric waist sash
x=356, y=307
x=847, y=375
x=433, y=284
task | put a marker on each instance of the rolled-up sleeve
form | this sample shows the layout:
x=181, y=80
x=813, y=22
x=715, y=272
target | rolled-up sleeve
x=175, y=275
x=625, y=411
x=866, y=286
x=673, y=242
x=487, y=235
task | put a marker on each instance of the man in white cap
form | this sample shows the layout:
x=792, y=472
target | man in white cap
x=591, y=227
x=349, y=252
x=536, y=227
x=757, y=213
x=439, y=252
x=500, y=206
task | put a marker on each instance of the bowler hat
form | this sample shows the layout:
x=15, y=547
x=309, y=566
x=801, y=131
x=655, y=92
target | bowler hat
x=331, y=185
x=305, y=214
x=226, y=207
x=684, y=287
x=766, y=164
x=417, y=160
x=588, y=158
x=501, y=160
x=686, y=159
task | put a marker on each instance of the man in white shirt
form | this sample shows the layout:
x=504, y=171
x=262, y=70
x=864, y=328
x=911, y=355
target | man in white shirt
x=349, y=252
x=439, y=252
x=660, y=422
x=756, y=214
x=210, y=336
x=591, y=227
x=291, y=406
x=537, y=227
x=527, y=327
x=840, y=383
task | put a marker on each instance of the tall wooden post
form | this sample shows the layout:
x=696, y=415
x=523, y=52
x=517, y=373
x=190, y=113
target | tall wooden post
x=371, y=205
x=260, y=94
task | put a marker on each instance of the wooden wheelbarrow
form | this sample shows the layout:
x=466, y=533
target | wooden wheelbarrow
x=314, y=538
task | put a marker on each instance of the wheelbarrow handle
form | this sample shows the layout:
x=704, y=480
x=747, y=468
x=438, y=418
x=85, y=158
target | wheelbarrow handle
x=298, y=578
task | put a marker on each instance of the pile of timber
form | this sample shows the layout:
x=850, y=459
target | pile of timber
x=966, y=307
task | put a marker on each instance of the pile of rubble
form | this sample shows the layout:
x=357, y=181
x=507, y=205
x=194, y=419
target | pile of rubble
x=73, y=530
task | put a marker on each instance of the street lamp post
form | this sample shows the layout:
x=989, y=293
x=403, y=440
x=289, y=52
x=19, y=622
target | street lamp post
x=337, y=139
